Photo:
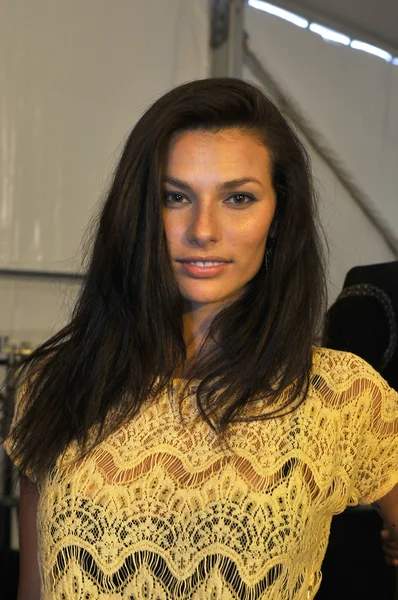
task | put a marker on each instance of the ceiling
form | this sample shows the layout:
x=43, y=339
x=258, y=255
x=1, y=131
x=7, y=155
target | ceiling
x=371, y=21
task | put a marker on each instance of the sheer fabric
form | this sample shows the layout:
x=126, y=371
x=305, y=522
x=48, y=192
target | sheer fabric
x=162, y=510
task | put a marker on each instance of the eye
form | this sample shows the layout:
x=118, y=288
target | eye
x=174, y=199
x=240, y=200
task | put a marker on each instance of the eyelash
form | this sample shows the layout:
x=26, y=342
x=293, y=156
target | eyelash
x=173, y=195
x=170, y=199
x=249, y=199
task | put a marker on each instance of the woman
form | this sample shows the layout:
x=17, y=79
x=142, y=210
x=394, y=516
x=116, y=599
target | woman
x=182, y=437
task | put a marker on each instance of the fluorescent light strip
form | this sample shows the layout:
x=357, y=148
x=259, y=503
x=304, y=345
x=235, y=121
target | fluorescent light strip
x=279, y=12
x=330, y=34
x=358, y=45
x=324, y=32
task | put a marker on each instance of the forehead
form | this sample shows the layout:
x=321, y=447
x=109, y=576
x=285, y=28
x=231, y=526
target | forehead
x=225, y=149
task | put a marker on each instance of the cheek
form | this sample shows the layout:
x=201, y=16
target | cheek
x=252, y=237
x=172, y=230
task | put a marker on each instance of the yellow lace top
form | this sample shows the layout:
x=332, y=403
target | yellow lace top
x=161, y=510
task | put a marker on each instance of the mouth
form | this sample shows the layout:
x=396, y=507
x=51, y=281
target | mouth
x=201, y=263
x=203, y=269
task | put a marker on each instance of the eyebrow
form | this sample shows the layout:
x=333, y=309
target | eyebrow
x=224, y=186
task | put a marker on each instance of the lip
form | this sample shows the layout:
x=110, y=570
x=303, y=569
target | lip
x=198, y=272
x=209, y=258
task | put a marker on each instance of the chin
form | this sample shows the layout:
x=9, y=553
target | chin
x=216, y=300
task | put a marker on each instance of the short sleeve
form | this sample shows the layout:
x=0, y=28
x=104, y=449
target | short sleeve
x=374, y=435
x=10, y=445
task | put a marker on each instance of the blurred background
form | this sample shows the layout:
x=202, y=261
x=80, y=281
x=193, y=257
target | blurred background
x=75, y=76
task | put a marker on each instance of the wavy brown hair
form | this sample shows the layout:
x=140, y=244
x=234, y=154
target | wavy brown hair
x=125, y=340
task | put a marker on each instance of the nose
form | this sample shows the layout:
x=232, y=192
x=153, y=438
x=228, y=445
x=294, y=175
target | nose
x=204, y=227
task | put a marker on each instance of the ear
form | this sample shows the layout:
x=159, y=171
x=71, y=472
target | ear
x=272, y=232
x=274, y=228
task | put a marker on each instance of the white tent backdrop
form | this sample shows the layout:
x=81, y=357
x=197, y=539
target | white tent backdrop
x=74, y=78
x=372, y=21
x=350, y=98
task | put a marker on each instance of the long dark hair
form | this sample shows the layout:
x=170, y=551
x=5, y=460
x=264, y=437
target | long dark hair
x=125, y=340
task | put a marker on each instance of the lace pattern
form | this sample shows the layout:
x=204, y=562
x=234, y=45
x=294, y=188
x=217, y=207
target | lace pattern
x=162, y=511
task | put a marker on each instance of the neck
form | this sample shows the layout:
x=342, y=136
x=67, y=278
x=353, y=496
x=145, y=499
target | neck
x=197, y=320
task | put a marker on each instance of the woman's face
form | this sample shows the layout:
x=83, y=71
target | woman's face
x=218, y=207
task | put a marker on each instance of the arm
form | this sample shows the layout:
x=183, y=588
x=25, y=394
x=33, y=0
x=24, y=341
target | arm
x=29, y=575
x=388, y=509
